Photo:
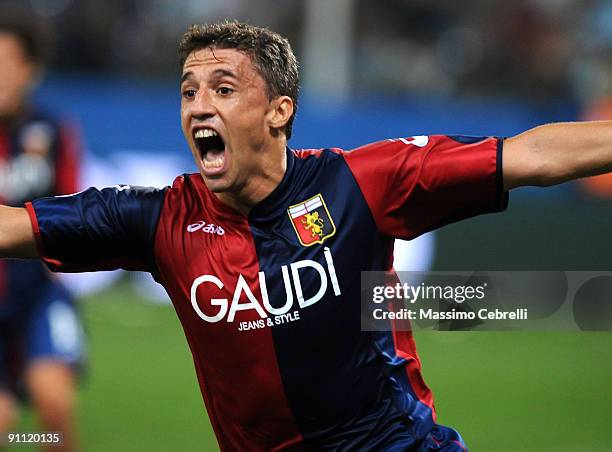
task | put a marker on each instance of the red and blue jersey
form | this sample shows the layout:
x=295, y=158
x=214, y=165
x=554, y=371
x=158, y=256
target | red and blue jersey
x=39, y=156
x=270, y=302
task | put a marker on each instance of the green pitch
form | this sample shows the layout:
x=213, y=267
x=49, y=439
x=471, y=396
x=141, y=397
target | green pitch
x=502, y=391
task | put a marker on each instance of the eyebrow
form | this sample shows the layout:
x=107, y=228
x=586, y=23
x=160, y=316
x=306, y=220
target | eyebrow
x=186, y=75
x=217, y=73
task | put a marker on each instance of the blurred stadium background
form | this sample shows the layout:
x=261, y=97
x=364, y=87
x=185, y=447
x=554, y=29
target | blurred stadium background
x=370, y=70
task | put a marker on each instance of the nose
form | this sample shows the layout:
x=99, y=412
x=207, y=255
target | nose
x=202, y=106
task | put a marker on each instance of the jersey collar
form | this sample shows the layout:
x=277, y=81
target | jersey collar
x=276, y=202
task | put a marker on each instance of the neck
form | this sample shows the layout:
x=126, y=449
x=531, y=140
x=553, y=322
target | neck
x=273, y=167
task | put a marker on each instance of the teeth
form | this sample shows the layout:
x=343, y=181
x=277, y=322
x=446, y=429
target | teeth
x=216, y=163
x=205, y=133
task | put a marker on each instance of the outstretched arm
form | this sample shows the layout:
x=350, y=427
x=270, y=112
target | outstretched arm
x=16, y=236
x=556, y=153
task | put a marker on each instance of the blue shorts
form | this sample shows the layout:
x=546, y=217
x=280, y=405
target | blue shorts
x=50, y=328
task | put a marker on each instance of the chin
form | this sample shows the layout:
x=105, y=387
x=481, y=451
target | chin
x=216, y=185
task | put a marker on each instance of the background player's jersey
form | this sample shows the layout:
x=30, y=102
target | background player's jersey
x=38, y=157
x=270, y=302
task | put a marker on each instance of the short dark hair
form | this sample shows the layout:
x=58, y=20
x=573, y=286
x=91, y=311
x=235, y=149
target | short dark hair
x=29, y=32
x=270, y=53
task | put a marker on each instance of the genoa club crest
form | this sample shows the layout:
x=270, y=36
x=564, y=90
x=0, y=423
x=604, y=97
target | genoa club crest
x=312, y=221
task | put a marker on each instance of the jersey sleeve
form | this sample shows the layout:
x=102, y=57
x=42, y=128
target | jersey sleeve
x=98, y=229
x=417, y=184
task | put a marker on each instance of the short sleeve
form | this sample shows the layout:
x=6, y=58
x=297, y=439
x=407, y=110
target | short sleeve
x=98, y=229
x=417, y=184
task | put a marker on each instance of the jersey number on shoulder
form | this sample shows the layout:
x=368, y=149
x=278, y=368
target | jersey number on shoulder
x=418, y=140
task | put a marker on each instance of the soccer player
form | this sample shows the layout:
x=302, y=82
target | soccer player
x=40, y=333
x=261, y=250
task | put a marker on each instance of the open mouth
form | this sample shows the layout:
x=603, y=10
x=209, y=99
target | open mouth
x=211, y=147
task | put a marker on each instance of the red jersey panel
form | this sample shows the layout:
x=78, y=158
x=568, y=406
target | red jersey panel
x=416, y=184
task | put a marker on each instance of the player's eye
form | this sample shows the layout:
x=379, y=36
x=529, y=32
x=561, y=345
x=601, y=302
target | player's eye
x=224, y=90
x=189, y=93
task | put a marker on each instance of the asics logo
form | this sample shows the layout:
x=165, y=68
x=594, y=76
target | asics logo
x=208, y=228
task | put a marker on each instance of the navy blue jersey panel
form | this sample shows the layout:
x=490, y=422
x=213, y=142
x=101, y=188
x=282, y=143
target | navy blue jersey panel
x=466, y=139
x=326, y=349
x=503, y=196
x=100, y=229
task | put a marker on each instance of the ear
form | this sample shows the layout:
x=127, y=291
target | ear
x=280, y=111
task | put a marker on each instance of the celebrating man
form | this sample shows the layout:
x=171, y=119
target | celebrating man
x=261, y=251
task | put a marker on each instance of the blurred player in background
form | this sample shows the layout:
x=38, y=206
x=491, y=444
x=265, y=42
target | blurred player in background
x=40, y=332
